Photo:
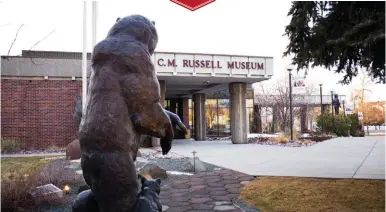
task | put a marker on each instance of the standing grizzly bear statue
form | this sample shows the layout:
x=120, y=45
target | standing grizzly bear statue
x=123, y=102
x=73, y=149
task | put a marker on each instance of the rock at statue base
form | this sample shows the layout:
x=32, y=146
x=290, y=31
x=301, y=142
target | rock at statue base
x=145, y=141
x=153, y=170
x=83, y=188
x=198, y=164
x=85, y=202
x=73, y=150
x=139, y=154
x=48, y=192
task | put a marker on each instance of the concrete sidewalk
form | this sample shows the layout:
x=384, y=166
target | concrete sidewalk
x=336, y=158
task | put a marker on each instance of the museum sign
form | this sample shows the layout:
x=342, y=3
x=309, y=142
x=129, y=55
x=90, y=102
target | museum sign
x=210, y=64
x=215, y=65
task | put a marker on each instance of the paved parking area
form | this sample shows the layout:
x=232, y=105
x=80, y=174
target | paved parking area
x=336, y=158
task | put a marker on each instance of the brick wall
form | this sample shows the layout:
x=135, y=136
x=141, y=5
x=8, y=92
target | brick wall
x=39, y=113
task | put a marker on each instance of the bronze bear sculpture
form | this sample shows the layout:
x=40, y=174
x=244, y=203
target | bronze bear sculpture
x=123, y=102
x=166, y=143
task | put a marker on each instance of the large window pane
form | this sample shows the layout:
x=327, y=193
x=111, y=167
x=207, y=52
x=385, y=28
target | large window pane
x=191, y=118
x=224, y=121
x=211, y=117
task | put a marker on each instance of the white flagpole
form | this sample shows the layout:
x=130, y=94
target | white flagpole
x=94, y=22
x=84, y=59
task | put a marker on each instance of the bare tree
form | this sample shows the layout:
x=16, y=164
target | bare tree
x=360, y=94
x=277, y=97
x=260, y=104
x=310, y=90
x=364, y=81
x=33, y=46
x=14, y=39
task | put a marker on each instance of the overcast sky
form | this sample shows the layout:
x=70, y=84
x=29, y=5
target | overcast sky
x=246, y=27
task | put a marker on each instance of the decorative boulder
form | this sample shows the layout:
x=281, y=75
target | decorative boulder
x=73, y=150
x=154, y=171
x=48, y=192
x=85, y=202
x=83, y=188
x=145, y=141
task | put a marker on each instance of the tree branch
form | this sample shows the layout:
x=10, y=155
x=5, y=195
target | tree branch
x=45, y=37
x=14, y=39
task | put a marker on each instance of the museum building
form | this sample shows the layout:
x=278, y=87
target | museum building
x=211, y=93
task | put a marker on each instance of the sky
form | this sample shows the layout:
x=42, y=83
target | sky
x=245, y=27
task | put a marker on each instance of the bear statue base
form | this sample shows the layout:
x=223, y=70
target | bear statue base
x=147, y=198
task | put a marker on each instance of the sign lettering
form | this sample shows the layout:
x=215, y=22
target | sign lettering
x=211, y=64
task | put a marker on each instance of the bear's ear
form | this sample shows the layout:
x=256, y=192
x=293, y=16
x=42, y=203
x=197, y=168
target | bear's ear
x=117, y=19
x=143, y=180
x=158, y=181
x=153, y=22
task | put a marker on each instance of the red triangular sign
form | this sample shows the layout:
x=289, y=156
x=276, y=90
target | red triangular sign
x=192, y=4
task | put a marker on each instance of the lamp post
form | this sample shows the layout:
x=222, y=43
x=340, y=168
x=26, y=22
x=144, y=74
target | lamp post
x=332, y=106
x=344, y=108
x=333, y=114
x=321, y=105
x=289, y=69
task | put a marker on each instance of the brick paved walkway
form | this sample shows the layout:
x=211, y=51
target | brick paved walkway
x=212, y=191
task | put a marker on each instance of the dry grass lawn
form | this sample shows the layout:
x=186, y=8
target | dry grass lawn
x=20, y=166
x=292, y=194
x=18, y=177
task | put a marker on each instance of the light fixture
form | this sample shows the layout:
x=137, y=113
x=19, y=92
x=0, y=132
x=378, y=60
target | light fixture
x=66, y=189
x=290, y=67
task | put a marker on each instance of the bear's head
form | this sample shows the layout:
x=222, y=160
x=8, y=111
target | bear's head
x=139, y=27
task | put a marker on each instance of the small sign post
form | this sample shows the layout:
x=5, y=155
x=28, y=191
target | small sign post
x=360, y=116
x=348, y=111
x=298, y=84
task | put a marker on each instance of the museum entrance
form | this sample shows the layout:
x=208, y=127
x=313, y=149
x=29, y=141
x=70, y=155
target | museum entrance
x=217, y=116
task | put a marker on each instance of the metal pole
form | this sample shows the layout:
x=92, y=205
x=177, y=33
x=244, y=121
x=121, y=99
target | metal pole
x=84, y=58
x=321, y=106
x=218, y=123
x=94, y=22
x=344, y=108
x=333, y=114
x=332, y=106
x=194, y=160
x=290, y=97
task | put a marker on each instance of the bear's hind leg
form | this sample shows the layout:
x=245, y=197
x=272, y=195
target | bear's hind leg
x=114, y=181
